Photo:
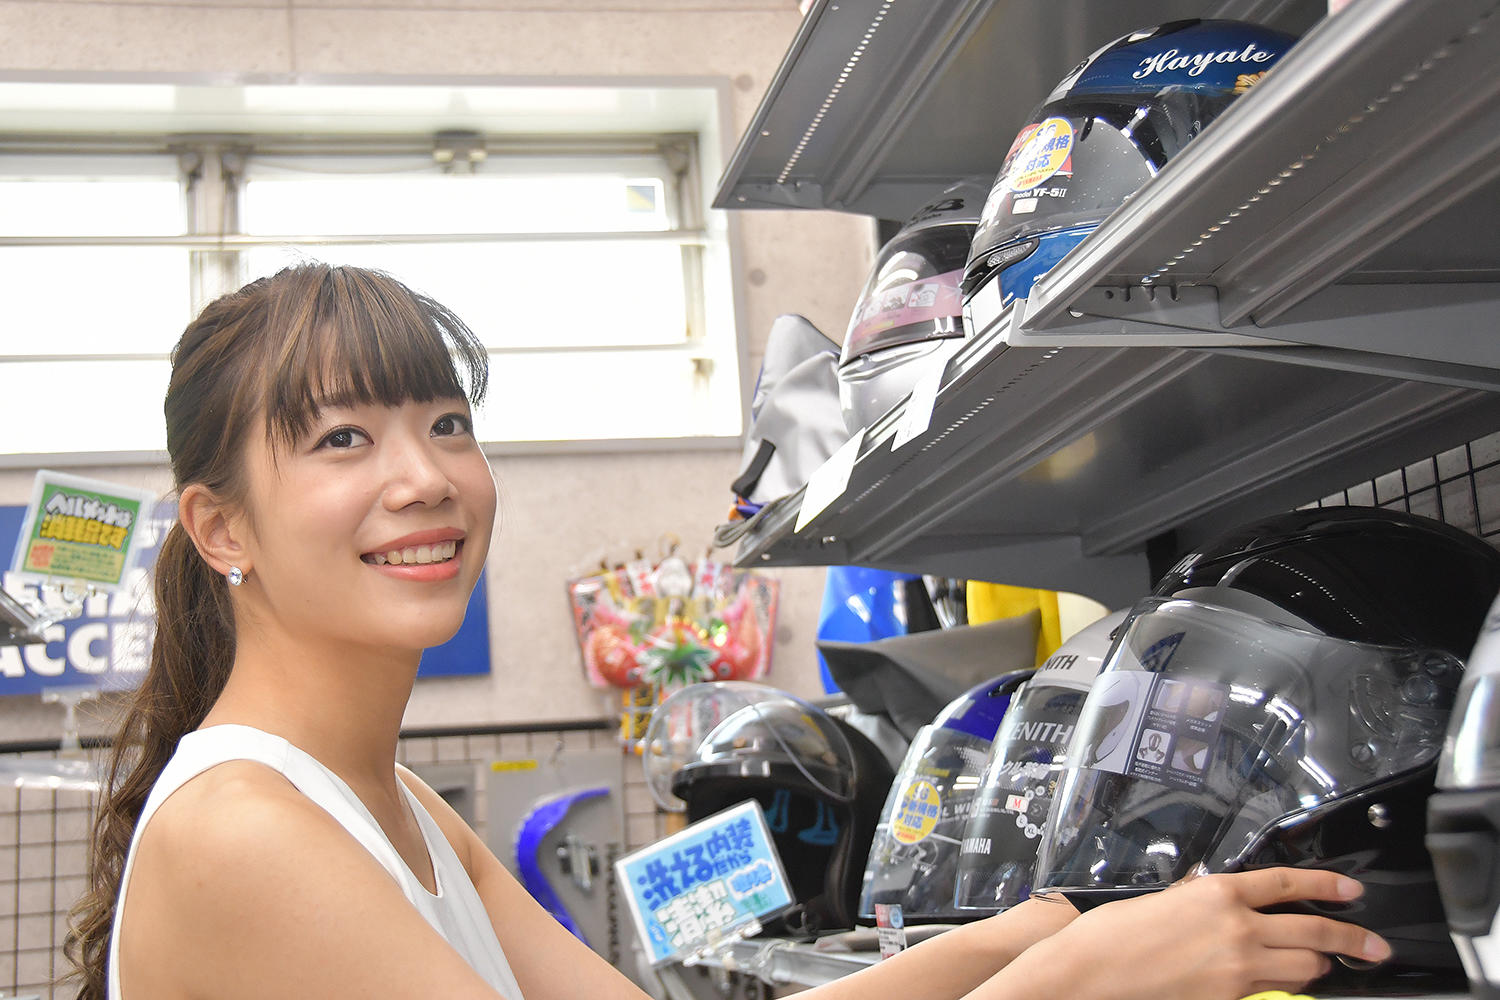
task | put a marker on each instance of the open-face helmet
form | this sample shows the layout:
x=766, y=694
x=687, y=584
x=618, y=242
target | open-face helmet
x=1280, y=699
x=997, y=856
x=1106, y=129
x=914, y=855
x=909, y=318
x=819, y=781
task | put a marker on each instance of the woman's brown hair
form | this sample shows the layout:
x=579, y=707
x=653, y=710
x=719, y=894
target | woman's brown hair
x=278, y=349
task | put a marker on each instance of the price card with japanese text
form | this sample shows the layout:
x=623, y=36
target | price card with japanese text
x=81, y=530
x=705, y=885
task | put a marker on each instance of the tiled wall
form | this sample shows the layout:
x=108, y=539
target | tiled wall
x=43, y=838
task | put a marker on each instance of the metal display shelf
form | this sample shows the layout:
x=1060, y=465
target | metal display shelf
x=1303, y=299
x=1053, y=467
x=780, y=962
x=880, y=103
x=1369, y=158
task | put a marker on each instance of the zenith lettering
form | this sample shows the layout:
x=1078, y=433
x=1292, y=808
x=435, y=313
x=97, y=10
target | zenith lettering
x=1043, y=732
x=1171, y=60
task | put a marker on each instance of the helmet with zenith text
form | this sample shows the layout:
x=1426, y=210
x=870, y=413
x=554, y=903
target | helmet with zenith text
x=997, y=854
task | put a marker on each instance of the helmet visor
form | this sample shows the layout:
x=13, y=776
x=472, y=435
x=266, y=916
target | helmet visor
x=681, y=725
x=915, y=851
x=999, y=845
x=779, y=736
x=1083, y=157
x=912, y=295
x=1209, y=727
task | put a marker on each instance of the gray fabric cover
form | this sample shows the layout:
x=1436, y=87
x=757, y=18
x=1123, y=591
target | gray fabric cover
x=910, y=678
x=795, y=408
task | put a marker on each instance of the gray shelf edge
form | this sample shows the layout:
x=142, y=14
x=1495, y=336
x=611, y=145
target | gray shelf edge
x=1234, y=170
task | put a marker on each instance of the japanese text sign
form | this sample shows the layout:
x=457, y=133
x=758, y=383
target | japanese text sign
x=708, y=883
x=81, y=530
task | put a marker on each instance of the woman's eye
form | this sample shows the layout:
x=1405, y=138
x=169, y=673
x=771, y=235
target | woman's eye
x=451, y=424
x=343, y=437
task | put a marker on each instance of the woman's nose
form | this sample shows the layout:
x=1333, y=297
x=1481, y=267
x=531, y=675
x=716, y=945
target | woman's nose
x=415, y=475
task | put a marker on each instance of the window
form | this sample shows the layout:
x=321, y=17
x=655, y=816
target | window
x=587, y=264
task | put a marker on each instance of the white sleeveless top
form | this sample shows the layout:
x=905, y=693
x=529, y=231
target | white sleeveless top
x=455, y=912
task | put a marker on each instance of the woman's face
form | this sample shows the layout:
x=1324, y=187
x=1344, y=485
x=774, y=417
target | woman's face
x=372, y=528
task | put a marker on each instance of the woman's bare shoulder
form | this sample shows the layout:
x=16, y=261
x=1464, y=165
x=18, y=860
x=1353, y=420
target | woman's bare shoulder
x=240, y=879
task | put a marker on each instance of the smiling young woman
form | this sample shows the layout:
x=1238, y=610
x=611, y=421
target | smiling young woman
x=257, y=838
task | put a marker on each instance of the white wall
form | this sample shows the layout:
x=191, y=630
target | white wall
x=557, y=509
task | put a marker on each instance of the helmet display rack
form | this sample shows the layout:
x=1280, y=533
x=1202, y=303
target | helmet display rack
x=1297, y=302
x=1303, y=299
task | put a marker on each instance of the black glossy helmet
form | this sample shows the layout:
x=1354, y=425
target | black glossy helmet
x=821, y=784
x=1281, y=699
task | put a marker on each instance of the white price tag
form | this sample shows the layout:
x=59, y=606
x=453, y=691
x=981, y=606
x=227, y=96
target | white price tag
x=829, y=482
x=917, y=416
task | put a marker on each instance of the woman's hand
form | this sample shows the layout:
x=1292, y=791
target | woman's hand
x=1202, y=939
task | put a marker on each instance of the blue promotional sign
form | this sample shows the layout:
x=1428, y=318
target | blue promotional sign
x=704, y=885
x=106, y=642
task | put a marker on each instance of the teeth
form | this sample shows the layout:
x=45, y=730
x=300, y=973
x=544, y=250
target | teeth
x=416, y=555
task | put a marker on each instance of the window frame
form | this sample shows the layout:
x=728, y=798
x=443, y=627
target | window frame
x=213, y=163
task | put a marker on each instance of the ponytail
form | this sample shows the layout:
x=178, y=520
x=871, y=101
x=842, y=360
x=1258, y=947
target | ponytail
x=190, y=660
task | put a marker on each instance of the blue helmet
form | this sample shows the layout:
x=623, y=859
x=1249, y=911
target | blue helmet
x=1106, y=129
x=914, y=855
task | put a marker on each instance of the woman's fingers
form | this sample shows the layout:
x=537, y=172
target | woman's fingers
x=1269, y=886
x=1290, y=970
x=1320, y=934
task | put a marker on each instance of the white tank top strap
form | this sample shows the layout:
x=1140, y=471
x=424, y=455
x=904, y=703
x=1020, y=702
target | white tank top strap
x=456, y=911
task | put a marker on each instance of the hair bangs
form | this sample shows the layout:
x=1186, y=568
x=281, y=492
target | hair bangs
x=360, y=337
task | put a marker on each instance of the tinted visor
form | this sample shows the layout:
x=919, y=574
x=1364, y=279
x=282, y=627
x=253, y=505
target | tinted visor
x=1209, y=727
x=912, y=295
x=1079, y=160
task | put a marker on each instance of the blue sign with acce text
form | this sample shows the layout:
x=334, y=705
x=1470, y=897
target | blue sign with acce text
x=107, y=642
x=707, y=883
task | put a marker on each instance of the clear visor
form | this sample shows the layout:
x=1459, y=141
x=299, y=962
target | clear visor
x=914, y=855
x=1209, y=727
x=745, y=730
x=1014, y=796
x=681, y=723
x=1082, y=157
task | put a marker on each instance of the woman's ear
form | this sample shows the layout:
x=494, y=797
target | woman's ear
x=215, y=528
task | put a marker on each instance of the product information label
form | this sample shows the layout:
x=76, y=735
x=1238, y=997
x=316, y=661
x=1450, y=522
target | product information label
x=1047, y=151
x=917, y=812
x=830, y=481
x=80, y=531
x=890, y=929
x=1143, y=723
x=704, y=885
